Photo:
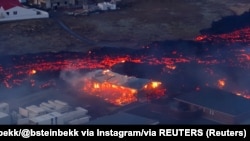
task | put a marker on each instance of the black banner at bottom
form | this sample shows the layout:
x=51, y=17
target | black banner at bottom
x=127, y=131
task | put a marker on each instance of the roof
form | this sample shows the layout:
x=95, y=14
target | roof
x=122, y=118
x=7, y=4
x=117, y=79
x=4, y=104
x=45, y=117
x=217, y=100
x=35, y=109
x=2, y=115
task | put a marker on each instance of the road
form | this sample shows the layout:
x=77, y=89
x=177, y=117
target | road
x=56, y=16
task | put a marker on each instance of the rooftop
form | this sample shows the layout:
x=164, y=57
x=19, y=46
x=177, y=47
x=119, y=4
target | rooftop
x=218, y=100
x=117, y=79
x=4, y=104
x=2, y=115
x=35, y=109
x=122, y=118
x=45, y=117
x=7, y=4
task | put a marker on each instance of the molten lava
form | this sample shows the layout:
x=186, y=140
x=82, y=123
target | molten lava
x=244, y=94
x=114, y=94
x=221, y=83
x=32, y=72
x=238, y=36
x=87, y=62
x=23, y=69
x=200, y=37
x=154, y=90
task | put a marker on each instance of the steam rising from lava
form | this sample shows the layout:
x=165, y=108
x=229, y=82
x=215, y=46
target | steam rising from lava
x=74, y=78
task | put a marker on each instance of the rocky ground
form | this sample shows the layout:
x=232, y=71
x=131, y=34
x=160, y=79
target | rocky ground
x=136, y=23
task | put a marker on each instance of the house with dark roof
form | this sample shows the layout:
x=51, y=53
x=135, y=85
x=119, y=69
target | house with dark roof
x=218, y=105
x=13, y=10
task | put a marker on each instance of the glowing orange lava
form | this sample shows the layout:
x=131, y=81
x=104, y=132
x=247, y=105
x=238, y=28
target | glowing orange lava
x=114, y=94
x=94, y=62
x=32, y=72
x=154, y=90
x=200, y=37
x=155, y=84
x=244, y=94
x=237, y=36
x=221, y=83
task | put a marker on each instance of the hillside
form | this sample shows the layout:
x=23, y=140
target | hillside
x=136, y=23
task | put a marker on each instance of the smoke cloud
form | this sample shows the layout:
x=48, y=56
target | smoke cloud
x=74, y=78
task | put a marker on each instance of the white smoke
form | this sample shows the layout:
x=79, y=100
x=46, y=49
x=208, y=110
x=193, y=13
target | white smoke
x=74, y=78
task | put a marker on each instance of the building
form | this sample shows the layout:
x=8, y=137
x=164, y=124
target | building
x=11, y=10
x=79, y=121
x=53, y=112
x=53, y=118
x=4, y=114
x=120, y=89
x=217, y=105
x=76, y=114
x=4, y=108
x=34, y=111
x=122, y=118
x=4, y=119
x=44, y=108
x=54, y=4
x=58, y=106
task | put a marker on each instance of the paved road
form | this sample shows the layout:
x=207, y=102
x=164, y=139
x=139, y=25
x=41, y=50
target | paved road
x=56, y=17
x=66, y=28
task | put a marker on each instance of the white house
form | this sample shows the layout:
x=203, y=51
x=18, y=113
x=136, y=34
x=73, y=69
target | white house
x=11, y=10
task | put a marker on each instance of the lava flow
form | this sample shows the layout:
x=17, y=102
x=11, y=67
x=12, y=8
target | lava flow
x=11, y=74
x=238, y=36
x=214, y=62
